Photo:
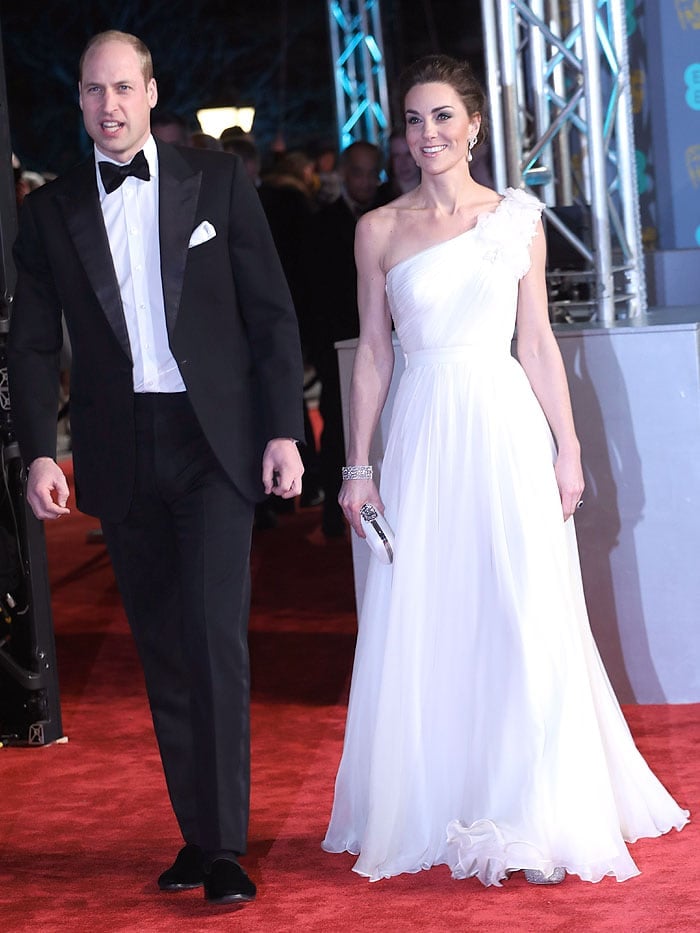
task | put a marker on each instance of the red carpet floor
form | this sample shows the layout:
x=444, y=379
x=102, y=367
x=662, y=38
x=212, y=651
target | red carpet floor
x=86, y=826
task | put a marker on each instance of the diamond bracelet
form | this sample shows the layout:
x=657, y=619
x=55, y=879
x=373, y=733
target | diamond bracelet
x=357, y=472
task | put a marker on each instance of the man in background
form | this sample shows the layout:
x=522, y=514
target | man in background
x=170, y=128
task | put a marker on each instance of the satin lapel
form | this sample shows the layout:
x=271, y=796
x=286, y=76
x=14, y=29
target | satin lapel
x=86, y=226
x=179, y=195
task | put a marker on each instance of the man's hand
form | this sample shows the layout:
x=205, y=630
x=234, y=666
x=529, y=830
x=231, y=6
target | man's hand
x=282, y=468
x=47, y=489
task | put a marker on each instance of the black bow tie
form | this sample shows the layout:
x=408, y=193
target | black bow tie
x=113, y=175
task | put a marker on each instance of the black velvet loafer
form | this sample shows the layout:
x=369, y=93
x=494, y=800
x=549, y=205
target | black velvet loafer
x=225, y=882
x=186, y=872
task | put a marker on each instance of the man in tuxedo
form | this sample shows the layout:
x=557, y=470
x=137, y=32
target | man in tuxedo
x=186, y=400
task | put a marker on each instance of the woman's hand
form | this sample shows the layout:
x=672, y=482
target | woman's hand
x=353, y=495
x=569, y=474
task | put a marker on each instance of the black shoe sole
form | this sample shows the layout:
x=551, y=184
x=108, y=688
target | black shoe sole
x=174, y=888
x=240, y=899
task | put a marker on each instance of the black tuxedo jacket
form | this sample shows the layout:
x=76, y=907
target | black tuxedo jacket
x=231, y=325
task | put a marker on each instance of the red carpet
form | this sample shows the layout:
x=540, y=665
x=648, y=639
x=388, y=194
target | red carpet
x=86, y=827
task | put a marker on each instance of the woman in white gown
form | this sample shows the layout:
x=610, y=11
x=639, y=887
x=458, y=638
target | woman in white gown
x=482, y=731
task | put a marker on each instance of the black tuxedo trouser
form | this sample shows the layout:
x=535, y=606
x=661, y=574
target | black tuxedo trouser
x=181, y=558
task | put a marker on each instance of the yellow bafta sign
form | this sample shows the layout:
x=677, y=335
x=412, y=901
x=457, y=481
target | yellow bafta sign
x=637, y=85
x=688, y=13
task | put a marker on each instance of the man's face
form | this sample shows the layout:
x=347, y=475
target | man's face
x=361, y=176
x=115, y=100
x=404, y=168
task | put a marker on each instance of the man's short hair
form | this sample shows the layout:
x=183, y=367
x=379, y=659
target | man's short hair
x=114, y=35
x=361, y=145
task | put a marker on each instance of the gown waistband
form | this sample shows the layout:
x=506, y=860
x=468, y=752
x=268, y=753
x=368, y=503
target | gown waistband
x=465, y=352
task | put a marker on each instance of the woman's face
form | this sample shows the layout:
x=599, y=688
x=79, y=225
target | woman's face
x=438, y=127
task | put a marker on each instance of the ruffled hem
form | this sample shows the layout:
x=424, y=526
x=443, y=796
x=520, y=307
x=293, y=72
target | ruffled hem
x=490, y=853
x=678, y=824
x=336, y=848
x=397, y=865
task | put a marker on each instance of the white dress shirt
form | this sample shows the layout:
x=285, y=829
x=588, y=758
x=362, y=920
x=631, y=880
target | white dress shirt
x=131, y=219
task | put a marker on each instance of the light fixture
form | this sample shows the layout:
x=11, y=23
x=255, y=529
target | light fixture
x=214, y=120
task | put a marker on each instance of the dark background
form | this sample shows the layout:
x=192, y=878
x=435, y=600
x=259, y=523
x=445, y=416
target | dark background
x=274, y=54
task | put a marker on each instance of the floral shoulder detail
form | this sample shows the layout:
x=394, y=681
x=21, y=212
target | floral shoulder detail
x=524, y=199
x=508, y=231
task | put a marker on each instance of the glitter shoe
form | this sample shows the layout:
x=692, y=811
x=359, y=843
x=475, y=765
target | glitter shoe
x=533, y=876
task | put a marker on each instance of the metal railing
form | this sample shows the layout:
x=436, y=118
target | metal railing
x=561, y=123
x=362, y=100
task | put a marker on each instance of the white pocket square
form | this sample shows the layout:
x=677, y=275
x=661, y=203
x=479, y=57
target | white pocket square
x=205, y=231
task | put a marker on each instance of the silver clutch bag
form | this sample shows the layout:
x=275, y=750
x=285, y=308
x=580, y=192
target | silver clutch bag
x=378, y=533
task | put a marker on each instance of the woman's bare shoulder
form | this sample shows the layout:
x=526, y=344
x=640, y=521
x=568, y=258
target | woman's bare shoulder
x=375, y=229
x=379, y=229
x=377, y=221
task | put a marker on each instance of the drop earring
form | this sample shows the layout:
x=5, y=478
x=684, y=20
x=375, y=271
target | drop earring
x=472, y=143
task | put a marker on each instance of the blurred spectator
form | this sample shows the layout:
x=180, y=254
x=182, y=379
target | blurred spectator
x=404, y=174
x=329, y=180
x=63, y=436
x=287, y=196
x=248, y=152
x=170, y=128
x=332, y=277
x=205, y=141
x=233, y=133
x=294, y=169
x=26, y=181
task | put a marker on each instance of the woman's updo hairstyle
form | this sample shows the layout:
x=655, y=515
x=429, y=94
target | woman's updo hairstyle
x=441, y=69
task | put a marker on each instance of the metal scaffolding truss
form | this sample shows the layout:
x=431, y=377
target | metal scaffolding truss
x=362, y=101
x=561, y=121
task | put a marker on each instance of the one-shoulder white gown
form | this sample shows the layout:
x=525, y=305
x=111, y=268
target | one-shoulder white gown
x=482, y=731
